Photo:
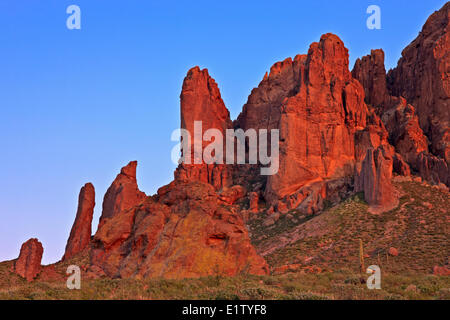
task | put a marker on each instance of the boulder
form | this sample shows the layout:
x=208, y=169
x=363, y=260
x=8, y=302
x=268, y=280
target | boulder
x=441, y=271
x=393, y=251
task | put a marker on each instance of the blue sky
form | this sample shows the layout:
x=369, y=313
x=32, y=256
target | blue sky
x=77, y=105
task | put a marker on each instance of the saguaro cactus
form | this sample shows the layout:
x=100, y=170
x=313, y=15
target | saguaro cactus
x=361, y=257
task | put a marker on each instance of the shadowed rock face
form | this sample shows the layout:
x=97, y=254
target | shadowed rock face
x=370, y=72
x=417, y=105
x=375, y=179
x=404, y=130
x=422, y=77
x=28, y=264
x=433, y=169
x=410, y=142
x=80, y=235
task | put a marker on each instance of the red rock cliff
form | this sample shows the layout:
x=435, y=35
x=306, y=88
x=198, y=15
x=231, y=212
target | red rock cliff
x=318, y=123
x=399, y=115
x=200, y=100
x=422, y=77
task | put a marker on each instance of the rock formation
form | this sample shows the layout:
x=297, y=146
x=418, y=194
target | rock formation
x=325, y=125
x=80, y=235
x=433, y=169
x=183, y=231
x=340, y=132
x=233, y=194
x=317, y=124
x=370, y=72
x=422, y=77
x=263, y=107
x=28, y=264
x=404, y=130
x=200, y=100
x=375, y=179
x=122, y=196
x=318, y=107
x=399, y=115
x=253, y=202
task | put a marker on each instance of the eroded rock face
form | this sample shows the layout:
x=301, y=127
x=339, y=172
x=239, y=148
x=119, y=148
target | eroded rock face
x=201, y=101
x=400, y=166
x=325, y=125
x=318, y=123
x=375, y=179
x=263, y=107
x=370, y=72
x=372, y=136
x=404, y=131
x=422, y=77
x=433, y=169
x=411, y=143
x=123, y=194
x=191, y=228
x=402, y=124
x=28, y=264
x=212, y=236
x=253, y=202
x=187, y=230
x=80, y=235
x=231, y=195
